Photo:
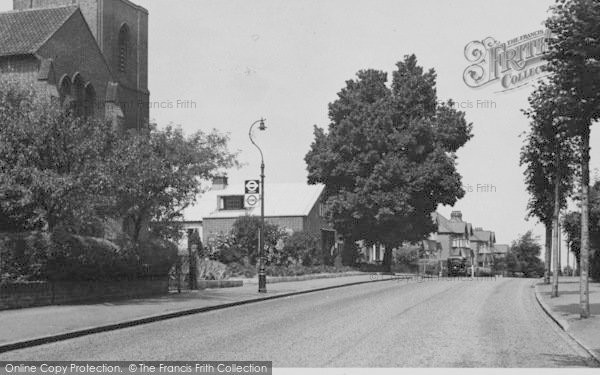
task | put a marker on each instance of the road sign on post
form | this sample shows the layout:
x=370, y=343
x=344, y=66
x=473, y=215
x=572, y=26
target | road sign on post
x=251, y=200
x=252, y=187
x=252, y=191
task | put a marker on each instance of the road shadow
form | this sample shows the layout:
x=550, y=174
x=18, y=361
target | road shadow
x=567, y=292
x=171, y=298
x=574, y=308
x=564, y=360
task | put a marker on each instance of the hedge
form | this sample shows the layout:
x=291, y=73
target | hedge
x=39, y=256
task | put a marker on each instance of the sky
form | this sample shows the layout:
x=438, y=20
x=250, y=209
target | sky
x=230, y=62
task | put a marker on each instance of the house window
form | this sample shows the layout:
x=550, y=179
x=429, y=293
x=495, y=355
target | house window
x=458, y=242
x=233, y=202
x=321, y=209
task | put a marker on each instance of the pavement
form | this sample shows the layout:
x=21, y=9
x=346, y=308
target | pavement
x=565, y=311
x=39, y=325
x=433, y=323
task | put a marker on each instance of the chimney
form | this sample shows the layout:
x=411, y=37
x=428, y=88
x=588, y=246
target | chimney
x=219, y=183
x=456, y=216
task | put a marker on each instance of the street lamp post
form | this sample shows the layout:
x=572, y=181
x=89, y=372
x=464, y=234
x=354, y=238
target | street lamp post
x=262, y=275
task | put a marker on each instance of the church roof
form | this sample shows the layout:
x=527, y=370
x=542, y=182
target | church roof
x=24, y=32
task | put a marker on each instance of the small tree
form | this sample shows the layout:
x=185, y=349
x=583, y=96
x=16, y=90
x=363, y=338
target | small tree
x=572, y=228
x=155, y=174
x=525, y=256
x=550, y=156
x=575, y=67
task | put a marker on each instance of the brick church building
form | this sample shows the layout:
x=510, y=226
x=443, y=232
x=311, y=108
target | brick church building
x=92, y=55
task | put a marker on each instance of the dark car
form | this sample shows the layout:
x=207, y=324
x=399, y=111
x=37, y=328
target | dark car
x=457, y=266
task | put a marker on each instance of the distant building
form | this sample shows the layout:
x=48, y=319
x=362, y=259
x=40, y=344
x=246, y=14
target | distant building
x=501, y=251
x=482, y=243
x=294, y=207
x=453, y=235
x=91, y=55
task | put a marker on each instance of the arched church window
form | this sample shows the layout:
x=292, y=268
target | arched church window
x=78, y=94
x=64, y=90
x=123, y=48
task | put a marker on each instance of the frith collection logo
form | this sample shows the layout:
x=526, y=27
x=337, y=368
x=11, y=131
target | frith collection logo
x=512, y=64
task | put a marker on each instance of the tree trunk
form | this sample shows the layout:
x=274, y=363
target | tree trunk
x=584, y=300
x=560, y=269
x=137, y=228
x=555, y=236
x=192, y=266
x=387, y=258
x=548, y=253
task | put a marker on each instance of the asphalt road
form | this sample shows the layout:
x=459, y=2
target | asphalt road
x=495, y=323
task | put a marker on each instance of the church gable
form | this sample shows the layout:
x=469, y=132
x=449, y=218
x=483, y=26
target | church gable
x=79, y=66
x=51, y=42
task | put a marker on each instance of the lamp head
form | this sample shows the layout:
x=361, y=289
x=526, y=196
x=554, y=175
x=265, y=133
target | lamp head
x=262, y=125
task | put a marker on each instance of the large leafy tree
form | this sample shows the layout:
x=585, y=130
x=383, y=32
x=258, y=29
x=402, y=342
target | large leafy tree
x=48, y=164
x=574, y=61
x=549, y=154
x=387, y=159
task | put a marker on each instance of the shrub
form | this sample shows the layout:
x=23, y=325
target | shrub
x=76, y=258
x=244, y=236
x=281, y=271
x=242, y=270
x=301, y=248
x=406, y=255
x=212, y=270
x=224, y=249
x=299, y=270
x=23, y=256
x=62, y=256
x=157, y=256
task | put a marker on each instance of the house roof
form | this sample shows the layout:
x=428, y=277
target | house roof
x=501, y=249
x=24, y=32
x=451, y=226
x=483, y=236
x=282, y=200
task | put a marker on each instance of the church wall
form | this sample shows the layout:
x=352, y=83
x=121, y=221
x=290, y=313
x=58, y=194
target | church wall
x=73, y=49
x=133, y=92
x=21, y=68
x=135, y=106
x=117, y=13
